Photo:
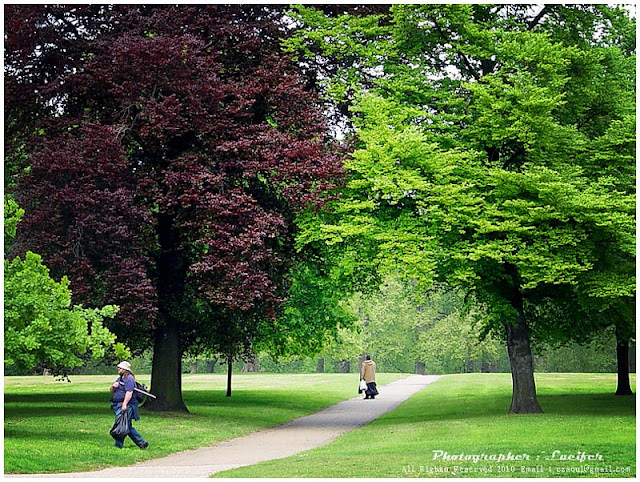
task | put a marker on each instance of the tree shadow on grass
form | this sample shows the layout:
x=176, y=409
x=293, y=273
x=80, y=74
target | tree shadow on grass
x=54, y=404
x=453, y=409
x=29, y=406
x=257, y=398
x=591, y=404
x=60, y=434
x=265, y=408
x=75, y=397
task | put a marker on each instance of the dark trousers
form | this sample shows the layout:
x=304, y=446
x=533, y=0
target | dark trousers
x=371, y=390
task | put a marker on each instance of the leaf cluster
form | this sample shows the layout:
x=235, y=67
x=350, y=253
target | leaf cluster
x=42, y=327
x=480, y=157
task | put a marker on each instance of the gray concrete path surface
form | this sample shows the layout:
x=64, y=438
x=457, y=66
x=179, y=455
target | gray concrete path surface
x=282, y=441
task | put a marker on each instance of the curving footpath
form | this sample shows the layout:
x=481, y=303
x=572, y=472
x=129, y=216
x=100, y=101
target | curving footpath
x=282, y=441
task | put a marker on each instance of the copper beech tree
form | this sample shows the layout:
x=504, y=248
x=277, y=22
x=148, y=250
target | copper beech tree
x=169, y=149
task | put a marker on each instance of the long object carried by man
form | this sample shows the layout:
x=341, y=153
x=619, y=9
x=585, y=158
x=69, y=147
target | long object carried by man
x=136, y=389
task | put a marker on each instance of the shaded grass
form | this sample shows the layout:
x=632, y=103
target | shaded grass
x=54, y=426
x=467, y=414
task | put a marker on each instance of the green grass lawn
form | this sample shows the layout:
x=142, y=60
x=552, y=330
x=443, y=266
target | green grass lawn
x=54, y=426
x=467, y=414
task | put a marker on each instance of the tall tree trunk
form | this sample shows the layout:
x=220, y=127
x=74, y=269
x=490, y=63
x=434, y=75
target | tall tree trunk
x=524, y=398
x=229, y=372
x=166, y=367
x=622, y=354
x=166, y=371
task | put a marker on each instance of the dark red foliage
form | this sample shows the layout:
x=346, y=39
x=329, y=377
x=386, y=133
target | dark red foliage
x=178, y=145
x=83, y=216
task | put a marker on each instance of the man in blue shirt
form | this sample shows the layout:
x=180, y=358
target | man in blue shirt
x=123, y=399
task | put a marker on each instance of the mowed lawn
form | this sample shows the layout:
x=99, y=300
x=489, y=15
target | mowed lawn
x=459, y=427
x=52, y=426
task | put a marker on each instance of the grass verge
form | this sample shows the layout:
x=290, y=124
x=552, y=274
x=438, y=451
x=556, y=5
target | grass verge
x=52, y=427
x=465, y=415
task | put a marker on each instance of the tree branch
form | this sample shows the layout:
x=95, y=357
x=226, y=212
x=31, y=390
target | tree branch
x=466, y=61
x=538, y=18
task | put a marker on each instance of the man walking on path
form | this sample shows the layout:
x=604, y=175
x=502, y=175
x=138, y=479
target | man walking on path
x=123, y=400
x=368, y=374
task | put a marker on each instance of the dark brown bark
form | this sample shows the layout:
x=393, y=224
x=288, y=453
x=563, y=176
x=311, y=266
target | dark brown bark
x=166, y=368
x=622, y=355
x=166, y=371
x=524, y=398
x=229, y=372
x=534, y=23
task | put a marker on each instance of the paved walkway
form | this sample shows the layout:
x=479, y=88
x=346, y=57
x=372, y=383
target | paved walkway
x=283, y=441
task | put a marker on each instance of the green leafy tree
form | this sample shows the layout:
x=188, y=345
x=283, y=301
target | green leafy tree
x=12, y=215
x=436, y=332
x=479, y=163
x=42, y=327
x=594, y=357
x=312, y=314
x=345, y=348
x=452, y=345
x=389, y=327
x=391, y=320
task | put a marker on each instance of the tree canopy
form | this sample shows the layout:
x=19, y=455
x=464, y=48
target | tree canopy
x=171, y=148
x=479, y=157
x=41, y=326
